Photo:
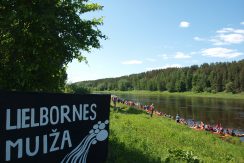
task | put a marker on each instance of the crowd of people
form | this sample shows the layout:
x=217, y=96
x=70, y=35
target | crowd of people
x=150, y=109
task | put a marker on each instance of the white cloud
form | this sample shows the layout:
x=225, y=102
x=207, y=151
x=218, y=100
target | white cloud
x=132, y=62
x=181, y=55
x=225, y=30
x=241, y=31
x=193, y=53
x=227, y=36
x=150, y=59
x=164, y=56
x=198, y=39
x=220, y=52
x=163, y=67
x=184, y=24
x=230, y=30
x=232, y=38
x=242, y=23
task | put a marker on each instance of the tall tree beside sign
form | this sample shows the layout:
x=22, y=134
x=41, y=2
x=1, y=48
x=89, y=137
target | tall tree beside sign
x=62, y=128
x=35, y=33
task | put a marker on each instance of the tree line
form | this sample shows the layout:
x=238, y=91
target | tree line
x=214, y=77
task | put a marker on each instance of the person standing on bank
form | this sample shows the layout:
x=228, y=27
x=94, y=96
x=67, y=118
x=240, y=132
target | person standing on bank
x=177, y=118
x=115, y=99
x=152, y=109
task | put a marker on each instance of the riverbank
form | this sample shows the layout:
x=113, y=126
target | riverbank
x=135, y=137
x=222, y=95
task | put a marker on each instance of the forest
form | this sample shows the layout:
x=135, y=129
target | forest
x=214, y=77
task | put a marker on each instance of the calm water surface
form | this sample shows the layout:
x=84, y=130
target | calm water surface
x=228, y=112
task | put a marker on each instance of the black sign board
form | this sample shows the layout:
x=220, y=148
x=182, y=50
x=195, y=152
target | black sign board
x=47, y=127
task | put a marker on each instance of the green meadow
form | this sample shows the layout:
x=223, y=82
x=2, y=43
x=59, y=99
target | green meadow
x=136, y=137
x=223, y=95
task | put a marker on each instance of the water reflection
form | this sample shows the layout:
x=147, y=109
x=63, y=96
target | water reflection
x=230, y=113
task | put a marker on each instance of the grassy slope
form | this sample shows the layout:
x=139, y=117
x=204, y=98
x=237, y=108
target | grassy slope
x=135, y=137
x=189, y=94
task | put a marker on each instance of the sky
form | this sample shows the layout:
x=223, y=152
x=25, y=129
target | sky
x=144, y=35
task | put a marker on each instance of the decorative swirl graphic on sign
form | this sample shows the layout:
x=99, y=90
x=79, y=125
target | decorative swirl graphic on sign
x=79, y=154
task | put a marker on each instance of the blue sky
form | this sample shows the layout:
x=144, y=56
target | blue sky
x=153, y=34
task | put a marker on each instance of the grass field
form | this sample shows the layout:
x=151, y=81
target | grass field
x=189, y=94
x=135, y=137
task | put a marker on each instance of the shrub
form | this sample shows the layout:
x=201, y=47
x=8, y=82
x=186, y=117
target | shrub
x=229, y=87
x=197, y=89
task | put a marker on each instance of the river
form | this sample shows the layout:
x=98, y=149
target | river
x=228, y=112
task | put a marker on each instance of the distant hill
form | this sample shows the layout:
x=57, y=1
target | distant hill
x=215, y=77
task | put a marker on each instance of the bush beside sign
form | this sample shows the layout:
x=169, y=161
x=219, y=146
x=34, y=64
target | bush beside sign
x=39, y=127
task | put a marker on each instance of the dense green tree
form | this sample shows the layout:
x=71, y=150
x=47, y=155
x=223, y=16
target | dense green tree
x=124, y=85
x=189, y=79
x=180, y=86
x=142, y=84
x=161, y=86
x=171, y=86
x=151, y=85
x=242, y=78
x=38, y=38
x=215, y=77
x=77, y=88
x=102, y=87
x=229, y=87
x=197, y=82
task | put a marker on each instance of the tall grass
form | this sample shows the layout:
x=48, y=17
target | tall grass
x=136, y=137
